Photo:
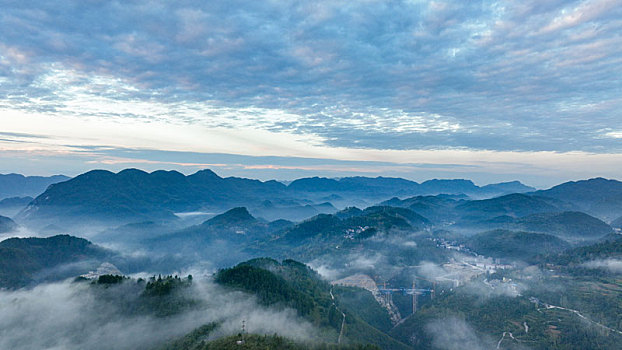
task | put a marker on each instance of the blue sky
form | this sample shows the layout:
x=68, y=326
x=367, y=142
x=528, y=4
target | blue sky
x=488, y=90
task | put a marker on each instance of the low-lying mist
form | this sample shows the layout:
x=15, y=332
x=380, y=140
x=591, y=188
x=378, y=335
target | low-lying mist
x=69, y=315
x=612, y=265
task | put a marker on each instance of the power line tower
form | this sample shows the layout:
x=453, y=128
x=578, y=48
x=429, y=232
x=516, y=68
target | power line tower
x=414, y=298
x=242, y=334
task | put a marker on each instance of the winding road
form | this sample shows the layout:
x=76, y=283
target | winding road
x=343, y=321
x=549, y=306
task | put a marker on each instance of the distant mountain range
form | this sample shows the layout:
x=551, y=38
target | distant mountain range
x=134, y=195
x=384, y=186
x=16, y=185
x=106, y=199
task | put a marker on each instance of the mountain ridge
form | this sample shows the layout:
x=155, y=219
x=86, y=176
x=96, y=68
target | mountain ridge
x=598, y=196
x=133, y=195
x=18, y=185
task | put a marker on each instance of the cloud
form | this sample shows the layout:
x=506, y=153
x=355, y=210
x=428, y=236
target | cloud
x=611, y=264
x=614, y=134
x=495, y=288
x=164, y=146
x=432, y=271
x=454, y=334
x=516, y=75
x=77, y=316
x=20, y=232
x=471, y=278
x=325, y=269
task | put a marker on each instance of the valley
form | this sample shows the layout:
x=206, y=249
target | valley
x=426, y=270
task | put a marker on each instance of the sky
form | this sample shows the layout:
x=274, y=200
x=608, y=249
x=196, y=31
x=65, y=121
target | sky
x=493, y=91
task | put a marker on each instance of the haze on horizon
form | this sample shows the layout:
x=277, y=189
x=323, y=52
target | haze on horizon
x=491, y=91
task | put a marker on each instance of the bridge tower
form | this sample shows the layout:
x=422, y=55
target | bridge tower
x=414, y=297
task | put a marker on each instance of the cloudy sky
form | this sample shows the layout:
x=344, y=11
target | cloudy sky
x=488, y=90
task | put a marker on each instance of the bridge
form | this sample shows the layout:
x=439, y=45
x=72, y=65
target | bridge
x=384, y=294
x=387, y=293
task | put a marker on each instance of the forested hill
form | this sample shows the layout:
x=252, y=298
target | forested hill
x=294, y=285
x=511, y=245
x=598, y=197
x=23, y=260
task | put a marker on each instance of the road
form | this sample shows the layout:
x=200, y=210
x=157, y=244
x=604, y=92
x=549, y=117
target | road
x=343, y=321
x=549, y=306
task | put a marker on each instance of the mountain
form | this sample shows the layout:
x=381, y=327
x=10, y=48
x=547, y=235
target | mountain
x=26, y=260
x=239, y=223
x=291, y=210
x=107, y=199
x=506, y=188
x=617, y=223
x=377, y=212
x=234, y=217
x=598, y=197
x=17, y=185
x=316, y=184
x=358, y=184
x=133, y=233
x=482, y=314
x=236, y=224
x=568, y=225
x=220, y=239
x=515, y=245
x=320, y=225
x=7, y=225
x=387, y=187
x=295, y=285
x=355, y=224
x=439, y=208
x=195, y=341
x=103, y=197
x=608, y=249
x=514, y=205
x=457, y=186
x=349, y=212
x=334, y=239
x=11, y=206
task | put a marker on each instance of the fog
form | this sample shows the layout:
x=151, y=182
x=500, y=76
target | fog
x=432, y=271
x=611, y=265
x=20, y=232
x=456, y=334
x=70, y=316
x=76, y=316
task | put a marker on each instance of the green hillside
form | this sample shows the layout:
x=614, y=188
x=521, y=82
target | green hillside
x=292, y=284
x=24, y=259
x=515, y=245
